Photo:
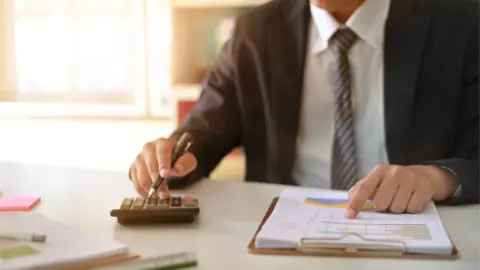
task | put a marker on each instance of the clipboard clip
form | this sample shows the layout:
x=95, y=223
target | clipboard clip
x=337, y=245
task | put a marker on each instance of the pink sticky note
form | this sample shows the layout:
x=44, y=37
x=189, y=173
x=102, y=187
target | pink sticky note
x=18, y=203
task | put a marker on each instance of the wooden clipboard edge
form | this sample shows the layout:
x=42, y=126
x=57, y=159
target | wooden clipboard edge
x=107, y=261
x=251, y=247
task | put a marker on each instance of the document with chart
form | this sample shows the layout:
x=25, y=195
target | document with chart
x=309, y=216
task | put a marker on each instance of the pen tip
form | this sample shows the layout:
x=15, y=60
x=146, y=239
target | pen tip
x=150, y=193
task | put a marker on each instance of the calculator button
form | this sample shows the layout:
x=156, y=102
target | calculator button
x=151, y=204
x=127, y=202
x=163, y=203
x=189, y=199
x=190, y=204
x=176, y=202
x=138, y=203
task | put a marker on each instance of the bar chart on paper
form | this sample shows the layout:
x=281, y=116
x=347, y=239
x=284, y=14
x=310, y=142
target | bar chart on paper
x=334, y=203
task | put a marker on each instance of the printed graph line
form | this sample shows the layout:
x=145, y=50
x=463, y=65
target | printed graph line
x=384, y=231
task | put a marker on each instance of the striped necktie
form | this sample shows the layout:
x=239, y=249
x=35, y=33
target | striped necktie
x=344, y=160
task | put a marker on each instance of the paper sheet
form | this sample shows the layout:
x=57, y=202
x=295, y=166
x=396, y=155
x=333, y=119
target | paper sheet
x=321, y=214
x=64, y=245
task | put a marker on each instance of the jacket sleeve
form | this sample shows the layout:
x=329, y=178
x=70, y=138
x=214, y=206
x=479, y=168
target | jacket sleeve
x=465, y=163
x=214, y=121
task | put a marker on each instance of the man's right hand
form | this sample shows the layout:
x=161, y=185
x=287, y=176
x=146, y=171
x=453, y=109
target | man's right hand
x=155, y=159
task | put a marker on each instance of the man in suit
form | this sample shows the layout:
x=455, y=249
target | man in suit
x=378, y=97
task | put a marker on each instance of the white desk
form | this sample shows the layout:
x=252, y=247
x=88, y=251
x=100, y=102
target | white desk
x=230, y=213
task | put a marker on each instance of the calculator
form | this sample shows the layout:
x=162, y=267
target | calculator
x=176, y=209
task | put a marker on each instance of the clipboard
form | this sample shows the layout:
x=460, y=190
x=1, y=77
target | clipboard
x=390, y=249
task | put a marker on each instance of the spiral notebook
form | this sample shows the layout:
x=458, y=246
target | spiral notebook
x=308, y=221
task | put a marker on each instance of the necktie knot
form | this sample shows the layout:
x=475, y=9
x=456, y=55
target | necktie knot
x=343, y=40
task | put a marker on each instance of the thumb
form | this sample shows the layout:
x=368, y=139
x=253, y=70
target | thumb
x=163, y=191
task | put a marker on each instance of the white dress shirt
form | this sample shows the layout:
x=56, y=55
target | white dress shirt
x=315, y=140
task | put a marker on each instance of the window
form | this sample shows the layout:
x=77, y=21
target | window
x=82, y=51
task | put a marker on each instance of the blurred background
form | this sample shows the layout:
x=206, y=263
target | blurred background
x=85, y=83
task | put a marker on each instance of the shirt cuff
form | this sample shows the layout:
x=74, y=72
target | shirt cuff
x=458, y=191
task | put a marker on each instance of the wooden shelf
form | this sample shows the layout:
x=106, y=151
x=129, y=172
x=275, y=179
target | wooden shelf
x=215, y=3
x=199, y=30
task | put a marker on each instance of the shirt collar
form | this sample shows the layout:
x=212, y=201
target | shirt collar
x=367, y=22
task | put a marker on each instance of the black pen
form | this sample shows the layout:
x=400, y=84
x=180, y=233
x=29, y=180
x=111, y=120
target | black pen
x=180, y=148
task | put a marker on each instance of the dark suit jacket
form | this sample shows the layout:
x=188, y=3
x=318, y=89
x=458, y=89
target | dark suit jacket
x=252, y=97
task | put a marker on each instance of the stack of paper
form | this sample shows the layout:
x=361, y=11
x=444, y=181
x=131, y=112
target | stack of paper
x=63, y=246
x=319, y=216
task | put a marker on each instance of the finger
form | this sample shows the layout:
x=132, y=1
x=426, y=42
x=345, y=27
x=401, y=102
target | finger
x=143, y=177
x=387, y=189
x=363, y=190
x=163, y=191
x=420, y=198
x=164, y=150
x=136, y=185
x=402, y=198
x=150, y=157
x=184, y=165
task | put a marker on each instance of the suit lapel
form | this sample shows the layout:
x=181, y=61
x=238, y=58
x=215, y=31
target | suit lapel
x=286, y=56
x=405, y=35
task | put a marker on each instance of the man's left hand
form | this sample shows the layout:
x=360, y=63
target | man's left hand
x=400, y=189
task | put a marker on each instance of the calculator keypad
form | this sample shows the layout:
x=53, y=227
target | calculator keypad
x=126, y=204
x=176, y=202
x=138, y=203
x=190, y=202
x=151, y=204
x=155, y=203
x=163, y=203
